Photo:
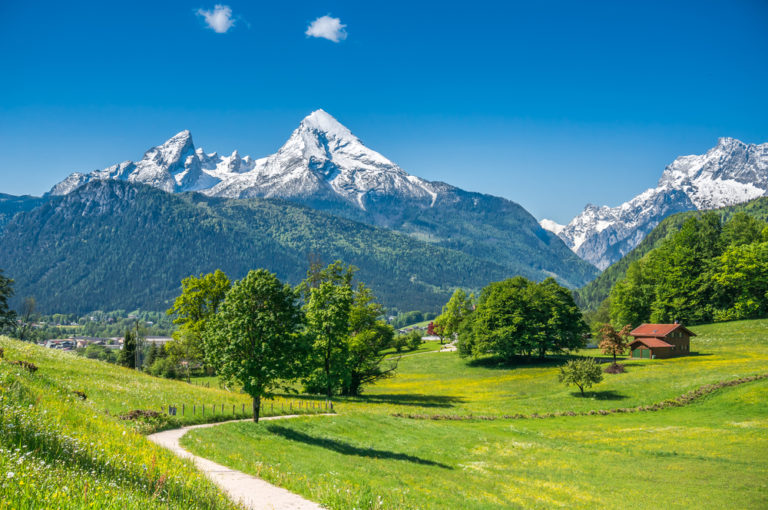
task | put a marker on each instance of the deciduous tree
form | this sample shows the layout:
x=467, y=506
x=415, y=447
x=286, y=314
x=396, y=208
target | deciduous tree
x=368, y=338
x=328, y=298
x=458, y=307
x=254, y=337
x=614, y=342
x=583, y=373
x=517, y=317
x=198, y=302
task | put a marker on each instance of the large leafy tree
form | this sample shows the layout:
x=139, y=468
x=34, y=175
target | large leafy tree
x=328, y=296
x=254, y=337
x=518, y=317
x=741, y=281
x=7, y=316
x=368, y=337
x=198, y=302
x=458, y=307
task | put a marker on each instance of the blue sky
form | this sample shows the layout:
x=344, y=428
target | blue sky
x=550, y=104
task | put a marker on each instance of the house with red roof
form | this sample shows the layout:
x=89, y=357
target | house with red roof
x=660, y=341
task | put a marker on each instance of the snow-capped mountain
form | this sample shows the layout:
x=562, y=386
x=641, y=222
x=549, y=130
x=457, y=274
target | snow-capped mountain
x=322, y=159
x=730, y=173
x=324, y=166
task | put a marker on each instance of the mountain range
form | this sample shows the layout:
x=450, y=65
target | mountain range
x=730, y=173
x=324, y=166
x=123, y=237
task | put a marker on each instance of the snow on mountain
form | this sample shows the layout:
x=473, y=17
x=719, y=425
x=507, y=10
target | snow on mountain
x=322, y=158
x=732, y=172
x=551, y=225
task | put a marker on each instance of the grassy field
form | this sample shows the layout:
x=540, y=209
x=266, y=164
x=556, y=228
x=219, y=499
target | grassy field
x=118, y=390
x=710, y=454
x=60, y=451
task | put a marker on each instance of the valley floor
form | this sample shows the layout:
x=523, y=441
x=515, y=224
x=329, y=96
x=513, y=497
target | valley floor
x=61, y=451
x=709, y=454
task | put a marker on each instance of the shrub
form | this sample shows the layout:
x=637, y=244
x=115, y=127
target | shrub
x=31, y=367
x=400, y=342
x=615, y=368
x=414, y=340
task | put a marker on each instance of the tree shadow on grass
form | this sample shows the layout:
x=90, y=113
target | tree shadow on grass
x=600, y=395
x=552, y=360
x=348, y=449
x=409, y=399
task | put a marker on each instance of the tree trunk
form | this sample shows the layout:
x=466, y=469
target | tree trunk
x=582, y=389
x=328, y=370
x=256, y=408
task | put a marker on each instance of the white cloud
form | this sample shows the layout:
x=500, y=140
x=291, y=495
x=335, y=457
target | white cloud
x=219, y=19
x=327, y=28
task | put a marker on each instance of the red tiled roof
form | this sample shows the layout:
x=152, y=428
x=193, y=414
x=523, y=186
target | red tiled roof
x=658, y=330
x=651, y=342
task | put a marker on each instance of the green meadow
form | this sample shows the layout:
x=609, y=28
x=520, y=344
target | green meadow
x=60, y=451
x=709, y=454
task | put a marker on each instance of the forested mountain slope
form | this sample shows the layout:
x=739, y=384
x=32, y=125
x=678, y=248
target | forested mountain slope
x=119, y=245
x=594, y=293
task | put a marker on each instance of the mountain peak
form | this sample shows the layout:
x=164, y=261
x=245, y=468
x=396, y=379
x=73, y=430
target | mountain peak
x=322, y=121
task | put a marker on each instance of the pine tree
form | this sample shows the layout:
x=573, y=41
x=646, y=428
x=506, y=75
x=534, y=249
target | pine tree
x=127, y=356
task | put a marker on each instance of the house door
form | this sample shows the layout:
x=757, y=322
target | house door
x=646, y=353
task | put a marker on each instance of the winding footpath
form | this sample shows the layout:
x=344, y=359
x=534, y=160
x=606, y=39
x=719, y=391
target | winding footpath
x=253, y=493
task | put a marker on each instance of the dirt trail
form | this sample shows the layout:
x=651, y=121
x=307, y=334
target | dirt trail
x=253, y=493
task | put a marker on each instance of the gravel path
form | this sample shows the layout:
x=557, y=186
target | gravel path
x=253, y=493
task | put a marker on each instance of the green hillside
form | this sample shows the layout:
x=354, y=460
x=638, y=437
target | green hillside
x=114, y=245
x=59, y=451
x=590, y=296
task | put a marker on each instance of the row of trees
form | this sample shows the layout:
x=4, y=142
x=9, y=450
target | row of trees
x=707, y=271
x=326, y=333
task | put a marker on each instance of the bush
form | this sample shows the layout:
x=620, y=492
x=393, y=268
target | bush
x=31, y=367
x=164, y=367
x=400, y=342
x=615, y=368
x=414, y=340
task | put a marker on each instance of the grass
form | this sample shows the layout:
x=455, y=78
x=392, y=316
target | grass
x=709, y=454
x=58, y=451
x=443, y=383
x=117, y=390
